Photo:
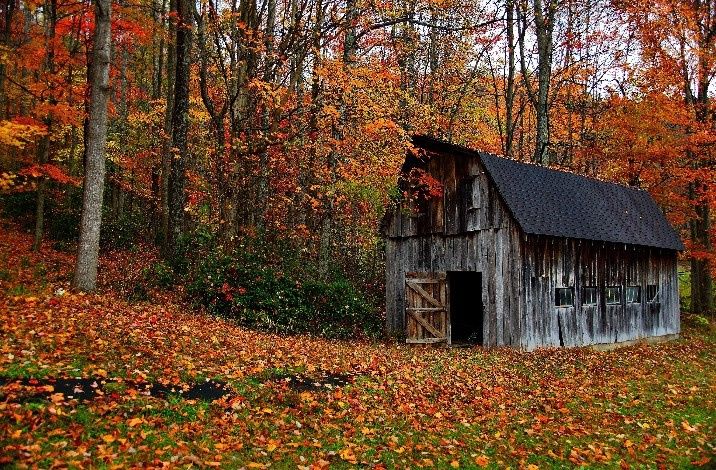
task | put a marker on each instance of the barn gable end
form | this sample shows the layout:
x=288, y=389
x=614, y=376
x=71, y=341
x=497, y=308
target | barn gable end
x=490, y=222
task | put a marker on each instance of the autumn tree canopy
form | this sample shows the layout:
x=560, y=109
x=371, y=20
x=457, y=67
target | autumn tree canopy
x=289, y=119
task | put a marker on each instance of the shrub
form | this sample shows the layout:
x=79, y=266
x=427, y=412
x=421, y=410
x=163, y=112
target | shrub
x=191, y=247
x=159, y=274
x=701, y=321
x=245, y=287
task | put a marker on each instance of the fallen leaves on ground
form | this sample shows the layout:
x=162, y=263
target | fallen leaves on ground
x=406, y=406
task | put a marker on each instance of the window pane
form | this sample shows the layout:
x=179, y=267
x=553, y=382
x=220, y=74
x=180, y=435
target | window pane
x=613, y=295
x=564, y=297
x=633, y=294
x=652, y=293
x=589, y=296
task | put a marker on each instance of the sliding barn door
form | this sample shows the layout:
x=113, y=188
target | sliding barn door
x=426, y=310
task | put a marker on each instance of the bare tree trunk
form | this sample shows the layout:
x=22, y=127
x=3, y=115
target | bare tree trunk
x=544, y=25
x=263, y=190
x=96, y=146
x=328, y=225
x=180, y=124
x=510, y=86
x=43, y=150
x=544, y=19
x=701, y=282
x=166, y=148
x=702, y=294
x=7, y=9
x=218, y=117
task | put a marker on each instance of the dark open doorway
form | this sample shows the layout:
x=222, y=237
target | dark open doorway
x=465, y=306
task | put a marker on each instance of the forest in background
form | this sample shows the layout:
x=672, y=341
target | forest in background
x=257, y=143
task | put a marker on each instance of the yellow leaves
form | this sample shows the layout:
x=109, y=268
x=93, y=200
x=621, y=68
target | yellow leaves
x=455, y=464
x=18, y=134
x=108, y=438
x=482, y=461
x=134, y=422
x=7, y=181
x=688, y=427
x=57, y=398
x=348, y=455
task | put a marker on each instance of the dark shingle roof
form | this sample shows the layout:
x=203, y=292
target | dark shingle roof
x=557, y=203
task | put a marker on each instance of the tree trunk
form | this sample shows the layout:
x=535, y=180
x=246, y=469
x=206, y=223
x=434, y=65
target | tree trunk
x=180, y=124
x=95, y=146
x=43, y=151
x=702, y=298
x=510, y=86
x=8, y=11
x=263, y=190
x=167, y=147
x=702, y=294
x=544, y=25
x=544, y=19
x=218, y=117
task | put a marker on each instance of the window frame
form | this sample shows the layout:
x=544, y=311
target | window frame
x=595, y=289
x=652, y=299
x=606, y=296
x=557, y=297
x=638, y=294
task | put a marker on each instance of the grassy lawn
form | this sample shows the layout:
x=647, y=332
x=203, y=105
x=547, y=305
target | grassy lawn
x=641, y=407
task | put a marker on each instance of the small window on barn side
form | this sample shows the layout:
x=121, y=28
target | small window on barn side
x=633, y=294
x=589, y=296
x=652, y=293
x=613, y=295
x=564, y=297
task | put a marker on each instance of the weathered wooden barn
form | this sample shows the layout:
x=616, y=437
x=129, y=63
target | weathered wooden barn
x=515, y=254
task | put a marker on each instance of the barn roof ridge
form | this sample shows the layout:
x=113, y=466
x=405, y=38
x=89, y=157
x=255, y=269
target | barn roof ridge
x=546, y=201
x=422, y=139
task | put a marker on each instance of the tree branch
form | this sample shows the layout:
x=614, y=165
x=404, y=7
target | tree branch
x=411, y=20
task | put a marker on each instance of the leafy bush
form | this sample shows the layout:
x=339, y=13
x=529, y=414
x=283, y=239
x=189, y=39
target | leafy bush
x=246, y=287
x=191, y=247
x=159, y=274
x=701, y=321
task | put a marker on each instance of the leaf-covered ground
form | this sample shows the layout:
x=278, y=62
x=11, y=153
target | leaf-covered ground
x=652, y=406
